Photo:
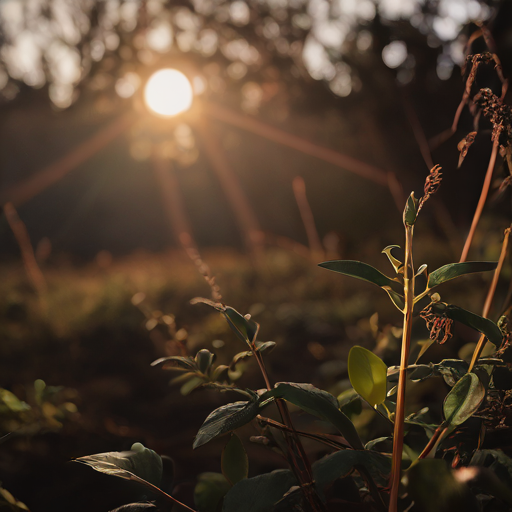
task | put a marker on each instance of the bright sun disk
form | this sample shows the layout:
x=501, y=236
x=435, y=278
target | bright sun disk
x=168, y=92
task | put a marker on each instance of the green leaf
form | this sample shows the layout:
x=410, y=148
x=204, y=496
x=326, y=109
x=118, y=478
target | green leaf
x=209, y=491
x=397, y=264
x=320, y=404
x=259, y=494
x=234, y=461
x=463, y=400
x=140, y=462
x=245, y=328
x=191, y=384
x=397, y=299
x=204, y=359
x=453, y=270
x=226, y=419
x=368, y=375
x=452, y=370
x=431, y=484
x=262, y=346
x=350, y=403
x=220, y=374
x=9, y=402
x=411, y=210
x=341, y=464
x=479, y=323
x=9, y=503
x=241, y=356
x=362, y=271
x=176, y=362
x=135, y=507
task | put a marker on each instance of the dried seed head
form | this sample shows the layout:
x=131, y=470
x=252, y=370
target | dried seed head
x=432, y=184
x=464, y=146
x=438, y=323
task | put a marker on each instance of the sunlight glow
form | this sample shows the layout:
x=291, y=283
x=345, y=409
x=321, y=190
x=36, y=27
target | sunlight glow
x=168, y=92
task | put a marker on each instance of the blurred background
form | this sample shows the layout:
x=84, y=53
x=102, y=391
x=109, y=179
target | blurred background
x=293, y=133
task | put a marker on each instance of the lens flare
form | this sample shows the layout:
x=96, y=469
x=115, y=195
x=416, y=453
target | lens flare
x=168, y=92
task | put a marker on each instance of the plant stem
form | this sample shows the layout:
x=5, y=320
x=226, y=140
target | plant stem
x=432, y=442
x=161, y=493
x=316, y=437
x=483, y=196
x=302, y=470
x=490, y=295
x=398, y=434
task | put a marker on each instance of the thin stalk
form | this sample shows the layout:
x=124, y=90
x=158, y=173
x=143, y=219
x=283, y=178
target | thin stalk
x=302, y=470
x=27, y=253
x=490, y=295
x=433, y=441
x=398, y=434
x=163, y=494
x=483, y=196
x=316, y=437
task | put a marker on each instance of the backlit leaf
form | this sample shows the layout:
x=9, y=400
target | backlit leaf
x=140, y=462
x=368, y=375
x=176, y=362
x=397, y=264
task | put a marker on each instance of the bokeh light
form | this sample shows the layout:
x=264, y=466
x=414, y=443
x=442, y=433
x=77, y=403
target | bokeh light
x=168, y=92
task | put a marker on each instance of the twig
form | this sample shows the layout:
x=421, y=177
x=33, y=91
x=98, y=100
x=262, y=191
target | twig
x=315, y=246
x=302, y=471
x=316, y=437
x=483, y=196
x=27, y=252
x=490, y=295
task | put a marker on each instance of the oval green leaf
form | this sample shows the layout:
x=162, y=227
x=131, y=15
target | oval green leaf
x=362, y=271
x=204, y=359
x=234, y=461
x=368, y=375
x=245, y=328
x=453, y=270
x=463, y=400
x=320, y=404
x=411, y=210
x=226, y=419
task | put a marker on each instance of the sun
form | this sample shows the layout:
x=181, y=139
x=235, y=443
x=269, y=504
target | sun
x=168, y=93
